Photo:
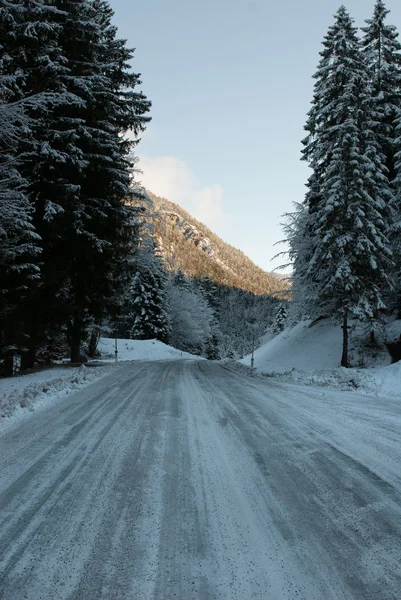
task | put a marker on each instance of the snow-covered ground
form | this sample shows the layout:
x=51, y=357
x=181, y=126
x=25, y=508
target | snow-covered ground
x=310, y=355
x=28, y=393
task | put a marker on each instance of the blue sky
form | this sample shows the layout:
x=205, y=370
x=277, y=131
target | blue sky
x=231, y=83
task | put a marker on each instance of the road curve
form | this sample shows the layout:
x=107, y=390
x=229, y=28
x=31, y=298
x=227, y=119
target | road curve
x=182, y=480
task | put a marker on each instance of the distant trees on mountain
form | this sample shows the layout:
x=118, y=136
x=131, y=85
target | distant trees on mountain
x=197, y=315
x=345, y=237
x=190, y=245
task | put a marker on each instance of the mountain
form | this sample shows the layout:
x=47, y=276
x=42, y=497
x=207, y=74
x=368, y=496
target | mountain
x=188, y=244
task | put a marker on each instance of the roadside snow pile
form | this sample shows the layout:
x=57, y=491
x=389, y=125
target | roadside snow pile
x=239, y=367
x=40, y=389
x=384, y=381
x=139, y=350
x=387, y=379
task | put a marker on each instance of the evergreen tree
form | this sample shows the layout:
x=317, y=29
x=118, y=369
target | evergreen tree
x=281, y=317
x=382, y=55
x=209, y=290
x=395, y=231
x=149, y=316
x=77, y=163
x=181, y=280
x=349, y=215
x=212, y=348
x=35, y=54
x=190, y=318
x=19, y=249
x=99, y=75
x=145, y=308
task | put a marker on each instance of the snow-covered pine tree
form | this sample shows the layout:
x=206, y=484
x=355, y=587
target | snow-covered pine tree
x=280, y=318
x=299, y=238
x=19, y=247
x=190, y=318
x=181, y=280
x=209, y=290
x=30, y=36
x=349, y=251
x=99, y=64
x=77, y=162
x=147, y=316
x=19, y=243
x=213, y=347
x=382, y=55
x=395, y=231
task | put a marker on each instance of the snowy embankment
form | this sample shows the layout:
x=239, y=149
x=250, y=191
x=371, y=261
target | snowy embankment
x=28, y=393
x=139, y=350
x=310, y=355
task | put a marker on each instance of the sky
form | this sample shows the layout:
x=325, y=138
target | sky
x=230, y=83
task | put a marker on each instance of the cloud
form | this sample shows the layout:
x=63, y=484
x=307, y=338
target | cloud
x=209, y=204
x=171, y=178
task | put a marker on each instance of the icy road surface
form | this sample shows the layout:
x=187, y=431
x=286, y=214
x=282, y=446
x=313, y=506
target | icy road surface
x=182, y=480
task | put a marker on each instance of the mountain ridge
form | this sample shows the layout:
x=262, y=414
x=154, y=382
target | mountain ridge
x=187, y=244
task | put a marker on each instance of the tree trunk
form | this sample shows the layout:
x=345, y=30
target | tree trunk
x=94, y=340
x=75, y=335
x=344, y=358
x=372, y=339
x=8, y=366
x=29, y=356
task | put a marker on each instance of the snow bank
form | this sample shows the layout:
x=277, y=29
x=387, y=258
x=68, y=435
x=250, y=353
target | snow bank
x=139, y=350
x=27, y=393
x=238, y=367
x=33, y=392
x=385, y=381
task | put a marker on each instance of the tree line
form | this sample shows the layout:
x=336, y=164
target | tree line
x=195, y=314
x=344, y=238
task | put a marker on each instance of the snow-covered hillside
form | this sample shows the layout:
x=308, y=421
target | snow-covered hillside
x=310, y=353
x=301, y=347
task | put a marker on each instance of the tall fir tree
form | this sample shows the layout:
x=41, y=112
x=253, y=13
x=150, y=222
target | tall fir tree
x=348, y=251
x=381, y=51
x=21, y=104
x=19, y=243
x=77, y=162
x=382, y=54
x=99, y=75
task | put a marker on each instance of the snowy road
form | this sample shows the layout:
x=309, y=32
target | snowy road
x=182, y=480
